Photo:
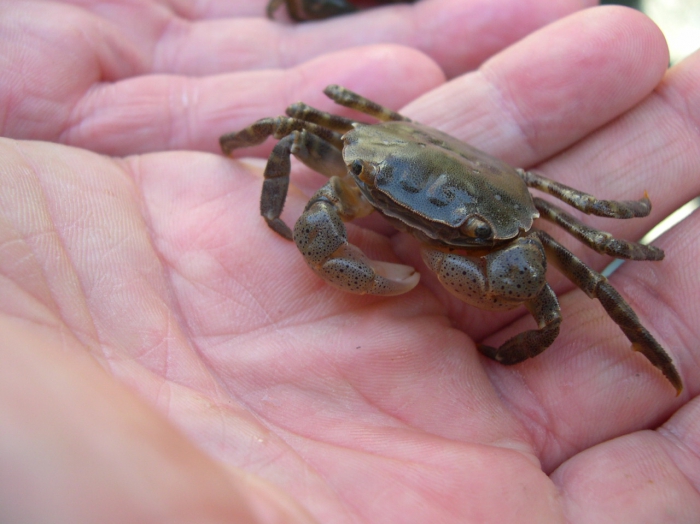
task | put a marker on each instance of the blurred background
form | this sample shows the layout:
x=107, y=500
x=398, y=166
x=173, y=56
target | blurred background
x=678, y=19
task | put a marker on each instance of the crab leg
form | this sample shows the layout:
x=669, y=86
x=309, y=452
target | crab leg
x=313, y=151
x=315, y=146
x=312, y=9
x=585, y=202
x=596, y=285
x=504, y=279
x=347, y=98
x=601, y=241
x=545, y=309
x=308, y=113
x=279, y=127
x=321, y=237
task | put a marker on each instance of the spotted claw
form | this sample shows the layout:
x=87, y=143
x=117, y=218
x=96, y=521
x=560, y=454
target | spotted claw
x=321, y=237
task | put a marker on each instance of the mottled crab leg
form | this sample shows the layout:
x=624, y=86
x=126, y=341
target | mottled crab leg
x=278, y=127
x=601, y=241
x=545, y=309
x=321, y=237
x=314, y=145
x=504, y=279
x=300, y=10
x=347, y=98
x=596, y=285
x=327, y=120
x=585, y=202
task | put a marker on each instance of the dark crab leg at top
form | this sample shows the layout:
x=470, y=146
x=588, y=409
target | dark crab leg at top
x=303, y=10
x=300, y=10
x=477, y=275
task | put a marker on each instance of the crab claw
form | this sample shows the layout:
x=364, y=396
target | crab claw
x=321, y=237
x=349, y=269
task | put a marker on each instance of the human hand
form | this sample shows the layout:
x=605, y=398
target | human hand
x=159, y=269
x=125, y=77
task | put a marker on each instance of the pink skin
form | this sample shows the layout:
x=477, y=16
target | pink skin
x=154, y=75
x=167, y=358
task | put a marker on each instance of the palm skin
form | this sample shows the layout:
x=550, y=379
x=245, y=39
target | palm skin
x=160, y=339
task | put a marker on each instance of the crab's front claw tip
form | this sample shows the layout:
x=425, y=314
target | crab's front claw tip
x=394, y=279
x=227, y=143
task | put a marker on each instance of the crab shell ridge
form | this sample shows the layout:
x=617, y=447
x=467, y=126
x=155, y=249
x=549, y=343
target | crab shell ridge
x=434, y=183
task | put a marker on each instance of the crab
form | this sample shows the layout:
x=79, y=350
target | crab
x=473, y=215
x=301, y=10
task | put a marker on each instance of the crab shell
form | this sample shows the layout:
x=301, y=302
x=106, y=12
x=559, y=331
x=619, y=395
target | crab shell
x=436, y=184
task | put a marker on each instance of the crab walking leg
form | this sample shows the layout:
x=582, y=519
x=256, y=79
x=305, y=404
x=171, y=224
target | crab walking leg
x=313, y=151
x=504, y=279
x=601, y=241
x=311, y=9
x=596, y=285
x=279, y=127
x=307, y=113
x=545, y=309
x=585, y=202
x=347, y=98
x=321, y=237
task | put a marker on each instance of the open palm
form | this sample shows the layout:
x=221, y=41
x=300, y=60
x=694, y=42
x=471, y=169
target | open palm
x=157, y=270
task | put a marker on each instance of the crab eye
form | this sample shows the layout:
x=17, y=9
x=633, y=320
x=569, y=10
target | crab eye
x=476, y=228
x=356, y=167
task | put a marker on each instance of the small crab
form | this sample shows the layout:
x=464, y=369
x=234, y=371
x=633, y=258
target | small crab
x=472, y=213
x=301, y=10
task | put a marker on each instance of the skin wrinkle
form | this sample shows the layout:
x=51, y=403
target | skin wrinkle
x=673, y=438
x=356, y=451
x=678, y=114
x=181, y=112
x=131, y=172
x=169, y=269
x=669, y=91
x=510, y=111
x=281, y=434
x=535, y=421
x=406, y=424
x=660, y=298
x=283, y=60
x=90, y=340
x=132, y=169
x=170, y=43
x=118, y=57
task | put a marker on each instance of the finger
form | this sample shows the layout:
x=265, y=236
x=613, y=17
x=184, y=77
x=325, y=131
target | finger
x=53, y=54
x=98, y=75
x=196, y=39
x=144, y=38
x=649, y=476
x=542, y=95
x=186, y=9
x=459, y=35
x=164, y=112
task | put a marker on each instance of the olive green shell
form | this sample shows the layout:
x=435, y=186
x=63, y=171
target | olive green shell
x=421, y=171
